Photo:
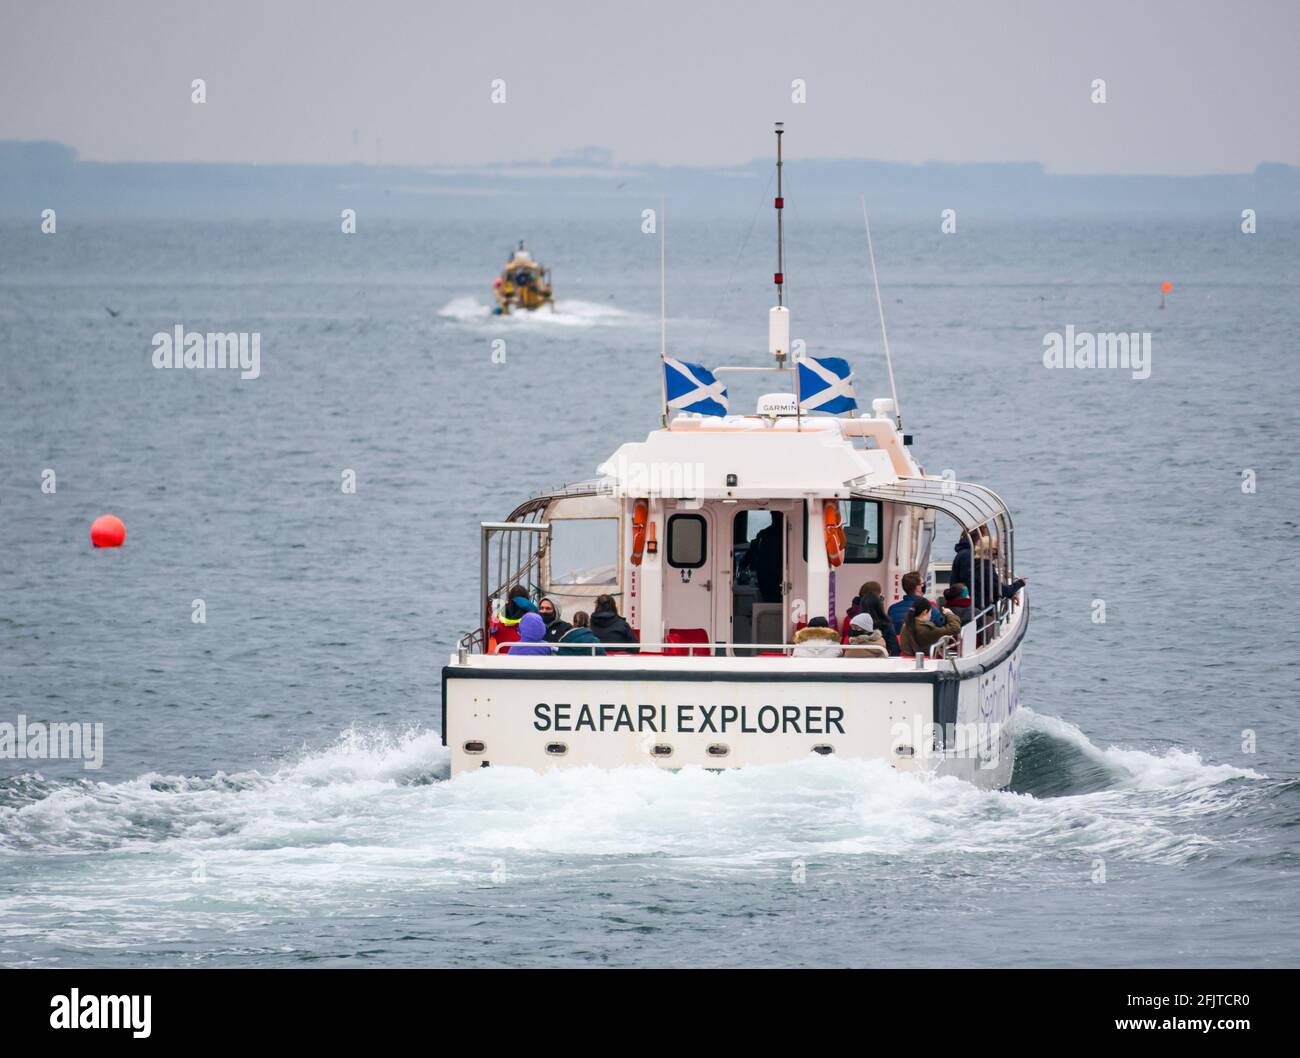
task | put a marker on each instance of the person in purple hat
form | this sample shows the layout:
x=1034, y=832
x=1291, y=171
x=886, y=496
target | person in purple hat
x=532, y=631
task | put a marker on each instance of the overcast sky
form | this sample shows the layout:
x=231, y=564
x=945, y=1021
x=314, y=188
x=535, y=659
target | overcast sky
x=1192, y=86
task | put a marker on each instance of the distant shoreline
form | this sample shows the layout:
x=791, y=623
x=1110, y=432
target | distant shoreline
x=35, y=175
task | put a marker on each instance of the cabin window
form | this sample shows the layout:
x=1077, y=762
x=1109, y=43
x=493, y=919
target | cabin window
x=686, y=541
x=584, y=551
x=861, y=520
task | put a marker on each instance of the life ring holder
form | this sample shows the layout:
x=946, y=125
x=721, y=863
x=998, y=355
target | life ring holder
x=833, y=531
x=640, y=517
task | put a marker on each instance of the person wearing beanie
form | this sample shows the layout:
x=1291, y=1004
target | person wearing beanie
x=864, y=640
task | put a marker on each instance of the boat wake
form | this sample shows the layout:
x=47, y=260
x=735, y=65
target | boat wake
x=374, y=821
x=569, y=312
x=387, y=800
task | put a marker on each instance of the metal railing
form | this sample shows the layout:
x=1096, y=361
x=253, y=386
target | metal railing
x=520, y=548
x=717, y=649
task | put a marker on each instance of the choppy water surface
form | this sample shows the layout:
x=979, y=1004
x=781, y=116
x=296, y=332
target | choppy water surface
x=274, y=790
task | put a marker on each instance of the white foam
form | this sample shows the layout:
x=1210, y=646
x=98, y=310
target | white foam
x=1175, y=769
x=569, y=312
x=374, y=812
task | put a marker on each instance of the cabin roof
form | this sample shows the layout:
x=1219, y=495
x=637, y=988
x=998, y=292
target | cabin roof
x=769, y=460
x=968, y=504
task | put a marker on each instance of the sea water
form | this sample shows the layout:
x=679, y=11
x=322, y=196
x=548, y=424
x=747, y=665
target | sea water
x=273, y=790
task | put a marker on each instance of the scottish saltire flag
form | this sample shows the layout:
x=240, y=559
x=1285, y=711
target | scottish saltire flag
x=690, y=387
x=826, y=384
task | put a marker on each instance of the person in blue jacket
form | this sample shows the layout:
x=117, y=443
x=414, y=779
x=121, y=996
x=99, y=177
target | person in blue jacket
x=911, y=592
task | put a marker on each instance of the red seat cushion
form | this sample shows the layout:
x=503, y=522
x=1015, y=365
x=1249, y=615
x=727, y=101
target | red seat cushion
x=688, y=635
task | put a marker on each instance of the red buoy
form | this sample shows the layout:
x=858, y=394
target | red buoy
x=107, y=531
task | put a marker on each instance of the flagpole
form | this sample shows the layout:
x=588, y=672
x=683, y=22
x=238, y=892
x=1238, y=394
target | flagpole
x=798, y=398
x=663, y=390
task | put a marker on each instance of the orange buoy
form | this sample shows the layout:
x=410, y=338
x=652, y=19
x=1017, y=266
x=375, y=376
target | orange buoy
x=107, y=531
x=1167, y=287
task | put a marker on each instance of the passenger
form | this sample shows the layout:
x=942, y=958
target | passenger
x=505, y=626
x=765, y=559
x=580, y=632
x=817, y=640
x=920, y=633
x=870, y=600
x=865, y=641
x=555, y=627
x=607, y=626
x=961, y=572
x=911, y=591
x=532, y=635
x=957, y=598
x=871, y=587
x=987, y=587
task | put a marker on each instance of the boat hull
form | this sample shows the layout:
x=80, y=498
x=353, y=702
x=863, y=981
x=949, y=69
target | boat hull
x=724, y=713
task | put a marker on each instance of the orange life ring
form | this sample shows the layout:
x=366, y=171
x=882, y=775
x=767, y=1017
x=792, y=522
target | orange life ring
x=640, y=515
x=834, y=533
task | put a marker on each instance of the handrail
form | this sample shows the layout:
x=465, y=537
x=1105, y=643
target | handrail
x=942, y=646
x=685, y=649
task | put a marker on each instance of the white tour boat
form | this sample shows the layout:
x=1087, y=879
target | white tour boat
x=720, y=537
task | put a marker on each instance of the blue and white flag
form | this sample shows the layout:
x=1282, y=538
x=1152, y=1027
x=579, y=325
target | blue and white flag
x=826, y=384
x=690, y=387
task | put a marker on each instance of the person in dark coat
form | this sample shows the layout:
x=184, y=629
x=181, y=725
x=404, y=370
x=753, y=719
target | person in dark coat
x=607, y=625
x=986, y=586
x=580, y=633
x=555, y=627
x=960, y=561
x=765, y=559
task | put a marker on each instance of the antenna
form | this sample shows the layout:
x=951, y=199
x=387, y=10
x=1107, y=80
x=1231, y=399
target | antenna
x=780, y=234
x=663, y=284
x=889, y=363
x=778, y=317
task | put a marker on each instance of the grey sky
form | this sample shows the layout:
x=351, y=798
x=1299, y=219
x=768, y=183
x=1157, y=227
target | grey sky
x=1192, y=87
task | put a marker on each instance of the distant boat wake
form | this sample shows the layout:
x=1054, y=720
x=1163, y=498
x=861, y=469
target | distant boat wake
x=569, y=312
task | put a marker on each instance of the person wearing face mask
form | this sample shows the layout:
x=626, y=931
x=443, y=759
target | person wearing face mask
x=555, y=625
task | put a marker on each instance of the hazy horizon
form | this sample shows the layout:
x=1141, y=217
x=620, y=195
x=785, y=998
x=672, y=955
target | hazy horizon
x=1191, y=89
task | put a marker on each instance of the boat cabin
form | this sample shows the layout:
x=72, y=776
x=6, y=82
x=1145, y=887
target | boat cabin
x=723, y=536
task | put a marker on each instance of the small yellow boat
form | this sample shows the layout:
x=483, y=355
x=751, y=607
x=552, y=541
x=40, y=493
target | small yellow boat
x=523, y=283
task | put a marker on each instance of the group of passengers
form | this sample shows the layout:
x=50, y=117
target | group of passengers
x=528, y=626
x=914, y=624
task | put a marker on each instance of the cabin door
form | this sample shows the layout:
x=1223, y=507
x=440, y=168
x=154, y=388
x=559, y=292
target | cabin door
x=690, y=575
x=759, y=574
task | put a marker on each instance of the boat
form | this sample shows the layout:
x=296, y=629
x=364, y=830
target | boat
x=721, y=537
x=523, y=284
